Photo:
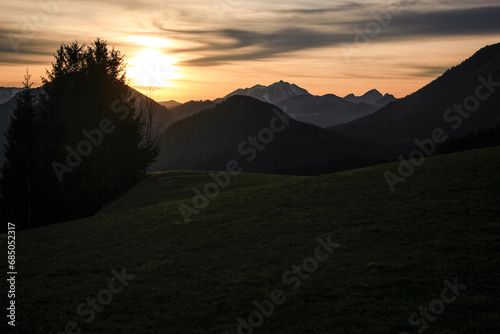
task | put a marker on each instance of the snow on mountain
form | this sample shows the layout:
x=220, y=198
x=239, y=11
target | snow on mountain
x=275, y=93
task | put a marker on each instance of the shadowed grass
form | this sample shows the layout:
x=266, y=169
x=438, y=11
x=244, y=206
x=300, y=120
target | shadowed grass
x=396, y=251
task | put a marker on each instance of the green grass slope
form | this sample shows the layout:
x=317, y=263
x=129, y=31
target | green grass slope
x=396, y=250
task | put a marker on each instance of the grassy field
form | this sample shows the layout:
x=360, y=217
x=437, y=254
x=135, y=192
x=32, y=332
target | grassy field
x=395, y=252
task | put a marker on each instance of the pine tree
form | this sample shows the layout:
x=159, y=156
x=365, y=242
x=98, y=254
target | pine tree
x=18, y=184
x=86, y=87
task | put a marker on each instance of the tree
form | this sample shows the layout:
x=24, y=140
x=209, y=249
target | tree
x=95, y=147
x=81, y=145
x=153, y=122
x=18, y=184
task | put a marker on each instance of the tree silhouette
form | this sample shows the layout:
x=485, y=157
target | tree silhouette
x=153, y=123
x=94, y=145
x=82, y=144
x=19, y=173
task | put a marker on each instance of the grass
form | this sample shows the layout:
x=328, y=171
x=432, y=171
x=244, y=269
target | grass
x=396, y=250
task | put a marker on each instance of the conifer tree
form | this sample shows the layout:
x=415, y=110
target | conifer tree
x=18, y=184
x=85, y=89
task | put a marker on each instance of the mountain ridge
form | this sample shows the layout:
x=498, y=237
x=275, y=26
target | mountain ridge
x=273, y=93
x=209, y=139
x=399, y=124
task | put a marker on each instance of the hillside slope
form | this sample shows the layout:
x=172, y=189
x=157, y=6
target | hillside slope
x=453, y=102
x=396, y=250
x=261, y=138
x=190, y=108
x=324, y=111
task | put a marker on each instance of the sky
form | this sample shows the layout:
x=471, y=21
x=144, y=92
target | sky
x=204, y=49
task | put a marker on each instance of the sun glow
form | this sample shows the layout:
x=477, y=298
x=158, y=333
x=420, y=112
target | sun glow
x=151, y=68
x=150, y=42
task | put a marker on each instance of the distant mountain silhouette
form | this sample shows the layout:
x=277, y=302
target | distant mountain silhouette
x=170, y=104
x=388, y=98
x=327, y=110
x=324, y=111
x=275, y=93
x=190, y=108
x=161, y=113
x=397, y=125
x=210, y=139
x=371, y=97
x=7, y=93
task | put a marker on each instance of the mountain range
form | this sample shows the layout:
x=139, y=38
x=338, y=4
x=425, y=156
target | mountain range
x=260, y=138
x=207, y=140
x=371, y=97
x=329, y=110
x=464, y=99
x=366, y=129
x=275, y=93
x=323, y=111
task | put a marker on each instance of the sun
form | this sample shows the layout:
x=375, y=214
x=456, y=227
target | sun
x=151, y=68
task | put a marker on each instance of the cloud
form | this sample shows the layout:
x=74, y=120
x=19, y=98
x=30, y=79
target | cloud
x=473, y=21
x=32, y=50
x=250, y=45
x=219, y=46
x=429, y=71
x=251, y=30
x=339, y=8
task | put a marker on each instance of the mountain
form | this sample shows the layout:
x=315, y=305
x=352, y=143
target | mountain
x=7, y=93
x=190, y=108
x=161, y=114
x=239, y=129
x=385, y=100
x=464, y=99
x=324, y=111
x=275, y=93
x=369, y=97
x=170, y=104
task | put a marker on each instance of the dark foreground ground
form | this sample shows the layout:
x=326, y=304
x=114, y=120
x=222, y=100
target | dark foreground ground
x=386, y=264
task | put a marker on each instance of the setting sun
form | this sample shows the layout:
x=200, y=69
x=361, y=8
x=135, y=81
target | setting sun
x=152, y=68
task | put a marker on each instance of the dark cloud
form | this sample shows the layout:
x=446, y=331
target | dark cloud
x=262, y=45
x=16, y=48
x=340, y=8
x=227, y=45
x=348, y=7
x=288, y=30
x=474, y=21
x=429, y=71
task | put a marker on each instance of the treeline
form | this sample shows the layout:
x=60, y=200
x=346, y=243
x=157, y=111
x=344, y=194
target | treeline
x=473, y=140
x=76, y=146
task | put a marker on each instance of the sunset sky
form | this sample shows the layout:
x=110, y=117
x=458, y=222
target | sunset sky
x=193, y=49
